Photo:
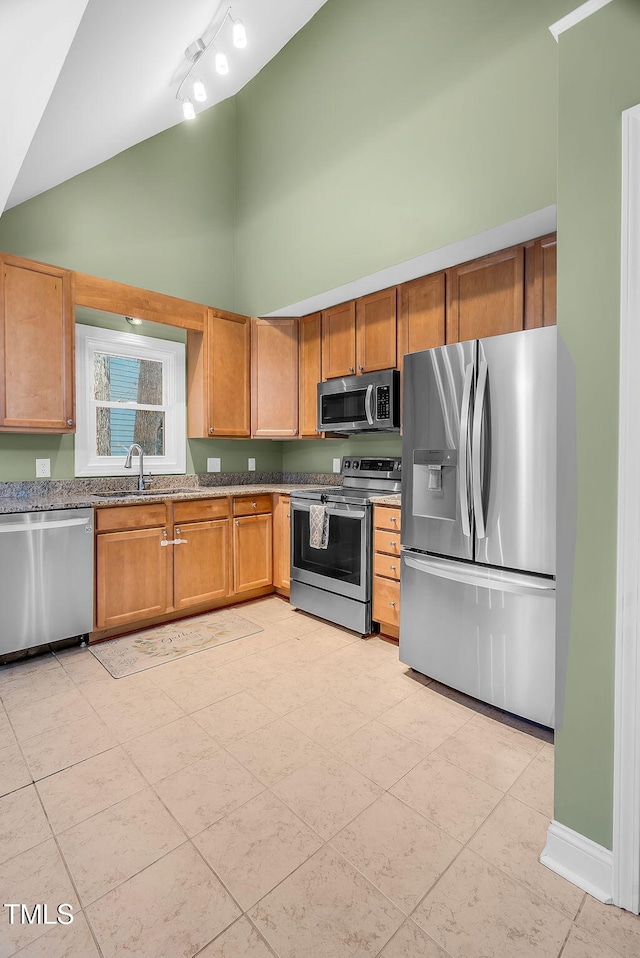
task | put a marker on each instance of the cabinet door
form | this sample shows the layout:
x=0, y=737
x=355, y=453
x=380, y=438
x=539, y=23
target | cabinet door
x=131, y=576
x=310, y=374
x=376, y=334
x=36, y=347
x=218, y=377
x=485, y=297
x=339, y=341
x=274, y=378
x=421, y=315
x=201, y=563
x=282, y=543
x=252, y=559
x=540, y=282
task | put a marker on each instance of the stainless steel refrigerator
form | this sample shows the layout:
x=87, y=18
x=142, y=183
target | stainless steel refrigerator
x=477, y=608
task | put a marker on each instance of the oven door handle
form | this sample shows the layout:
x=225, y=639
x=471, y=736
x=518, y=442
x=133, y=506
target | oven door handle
x=349, y=513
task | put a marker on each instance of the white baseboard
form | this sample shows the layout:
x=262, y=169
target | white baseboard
x=579, y=860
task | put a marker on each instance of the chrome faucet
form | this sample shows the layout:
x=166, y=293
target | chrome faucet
x=135, y=449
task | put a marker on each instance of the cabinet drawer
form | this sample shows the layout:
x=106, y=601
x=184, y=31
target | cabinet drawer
x=193, y=510
x=387, y=566
x=131, y=517
x=386, y=600
x=251, y=505
x=385, y=518
x=388, y=542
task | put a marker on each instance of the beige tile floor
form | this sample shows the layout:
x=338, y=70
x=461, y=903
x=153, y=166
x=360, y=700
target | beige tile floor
x=295, y=793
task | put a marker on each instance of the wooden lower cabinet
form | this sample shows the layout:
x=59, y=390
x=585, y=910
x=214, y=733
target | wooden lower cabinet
x=200, y=562
x=282, y=543
x=386, y=569
x=252, y=552
x=131, y=572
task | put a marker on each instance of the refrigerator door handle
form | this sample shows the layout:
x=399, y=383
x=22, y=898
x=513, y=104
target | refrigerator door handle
x=464, y=450
x=368, y=404
x=476, y=451
x=481, y=578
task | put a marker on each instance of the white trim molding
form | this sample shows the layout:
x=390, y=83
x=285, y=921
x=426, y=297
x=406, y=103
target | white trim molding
x=626, y=781
x=579, y=860
x=580, y=13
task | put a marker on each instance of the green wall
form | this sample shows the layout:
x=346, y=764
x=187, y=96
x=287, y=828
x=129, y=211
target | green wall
x=599, y=77
x=317, y=455
x=160, y=215
x=383, y=132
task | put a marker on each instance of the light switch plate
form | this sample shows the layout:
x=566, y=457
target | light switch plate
x=336, y=465
x=43, y=468
x=251, y=465
x=213, y=465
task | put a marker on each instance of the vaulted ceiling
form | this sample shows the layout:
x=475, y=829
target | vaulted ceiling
x=83, y=80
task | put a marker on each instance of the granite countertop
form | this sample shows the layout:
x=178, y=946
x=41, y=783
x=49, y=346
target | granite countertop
x=41, y=499
x=392, y=500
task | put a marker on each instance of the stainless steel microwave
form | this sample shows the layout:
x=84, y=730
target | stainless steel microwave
x=368, y=403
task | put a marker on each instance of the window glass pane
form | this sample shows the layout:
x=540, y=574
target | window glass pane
x=120, y=379
x=116, y=429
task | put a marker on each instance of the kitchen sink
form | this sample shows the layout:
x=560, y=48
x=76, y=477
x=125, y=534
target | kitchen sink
x=162, y=493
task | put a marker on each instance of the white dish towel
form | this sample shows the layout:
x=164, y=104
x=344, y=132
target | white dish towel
x=318, y=527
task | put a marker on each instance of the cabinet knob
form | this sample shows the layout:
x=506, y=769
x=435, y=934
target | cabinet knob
x=393, y=544
x=255, y=505
x=237, y=522
x=392, y=604
x=69, y=422
x=392, y=567
x=361, y=368
x=351, y=369
x=295, y=432
x=393, y=518
x=288, y=515
x=164, y=533
x=211, y=430
x=177, y=530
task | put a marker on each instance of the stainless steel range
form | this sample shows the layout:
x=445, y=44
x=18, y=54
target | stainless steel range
x=333, y=580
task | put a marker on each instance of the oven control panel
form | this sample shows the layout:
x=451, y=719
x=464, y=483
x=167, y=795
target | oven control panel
x=372, y=468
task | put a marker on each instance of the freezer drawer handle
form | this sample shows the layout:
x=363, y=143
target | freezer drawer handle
x=520, y=585
x=476, y=469
x=464, y=451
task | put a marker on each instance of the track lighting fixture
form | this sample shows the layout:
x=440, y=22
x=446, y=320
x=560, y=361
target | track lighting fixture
x=194, y=53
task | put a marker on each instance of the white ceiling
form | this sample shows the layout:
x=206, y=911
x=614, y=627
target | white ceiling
x=77, y=89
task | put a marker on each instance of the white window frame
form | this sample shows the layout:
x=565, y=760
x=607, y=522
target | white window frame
x=94, y=339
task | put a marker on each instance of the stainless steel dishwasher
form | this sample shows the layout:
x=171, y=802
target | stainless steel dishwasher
x=46, y=577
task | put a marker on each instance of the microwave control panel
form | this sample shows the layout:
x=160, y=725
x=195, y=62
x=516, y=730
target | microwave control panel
x=383, y=402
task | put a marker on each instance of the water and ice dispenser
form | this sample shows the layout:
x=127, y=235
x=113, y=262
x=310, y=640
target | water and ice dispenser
x=435, y=482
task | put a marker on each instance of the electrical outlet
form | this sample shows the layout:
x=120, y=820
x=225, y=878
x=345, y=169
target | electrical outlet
x=213, y=465
x=43, y=468
x=336, y=465
x=251, y=465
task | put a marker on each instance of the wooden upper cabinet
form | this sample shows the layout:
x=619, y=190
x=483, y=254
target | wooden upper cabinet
x=421, y=315
x=540, y=282
x=274, y=378
x=219, y=376
x=339, y=341
x=376, y=331
x=36, y=347
x=309, y=331
x=485, y=297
